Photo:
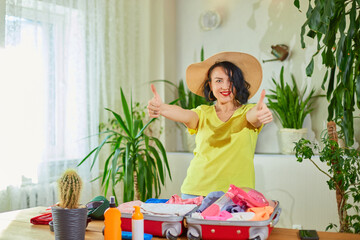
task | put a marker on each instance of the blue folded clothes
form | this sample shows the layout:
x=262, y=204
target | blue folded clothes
x=155, y=200
x=128, y=235
x=235, y=208
x=209, y=199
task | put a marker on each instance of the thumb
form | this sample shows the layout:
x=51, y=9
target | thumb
x=153, y=89
x=261, y=100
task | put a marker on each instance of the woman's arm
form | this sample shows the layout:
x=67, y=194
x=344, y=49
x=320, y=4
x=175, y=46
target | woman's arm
x=260, y=113
x=156, y=108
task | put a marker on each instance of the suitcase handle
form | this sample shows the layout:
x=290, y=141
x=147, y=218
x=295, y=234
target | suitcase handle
x=276, y=218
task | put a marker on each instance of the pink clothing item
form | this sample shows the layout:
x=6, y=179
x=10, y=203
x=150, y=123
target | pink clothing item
x=223, y=216
x=128, y=207
x=212, y=210
x=261, y=213
x=252, y=197
x=175, y=199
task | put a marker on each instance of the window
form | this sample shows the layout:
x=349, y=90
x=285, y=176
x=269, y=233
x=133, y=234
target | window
x=44, y=94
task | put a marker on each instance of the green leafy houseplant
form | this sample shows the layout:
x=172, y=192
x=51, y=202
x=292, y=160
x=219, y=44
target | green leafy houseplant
x=136, y=159
x=289, y=104
x=336, y=26
x=343, y=177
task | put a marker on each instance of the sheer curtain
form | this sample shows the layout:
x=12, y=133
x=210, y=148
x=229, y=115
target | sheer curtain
x=51, y=97
x=63, y=62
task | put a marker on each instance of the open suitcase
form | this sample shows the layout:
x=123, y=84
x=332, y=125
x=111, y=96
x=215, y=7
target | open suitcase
x=162, y=226
x=223, y=230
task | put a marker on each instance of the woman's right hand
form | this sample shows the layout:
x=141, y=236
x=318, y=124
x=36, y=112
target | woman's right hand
x=154, y=104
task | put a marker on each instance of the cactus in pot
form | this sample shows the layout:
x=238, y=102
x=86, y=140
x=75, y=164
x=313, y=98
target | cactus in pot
x=69, y=185
x=69, y=217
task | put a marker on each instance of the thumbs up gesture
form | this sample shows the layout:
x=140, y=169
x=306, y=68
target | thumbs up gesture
x=154, y=104
x=263, y=113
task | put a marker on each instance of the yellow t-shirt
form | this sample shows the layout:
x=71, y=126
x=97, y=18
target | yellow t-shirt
x=224, y=152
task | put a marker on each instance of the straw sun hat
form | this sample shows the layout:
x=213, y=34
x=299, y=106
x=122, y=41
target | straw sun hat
x=196, y=73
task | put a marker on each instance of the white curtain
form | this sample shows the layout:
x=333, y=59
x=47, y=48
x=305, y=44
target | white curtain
x=63, y=62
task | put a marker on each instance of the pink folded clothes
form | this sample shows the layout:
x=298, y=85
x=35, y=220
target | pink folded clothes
x=175, y=199
x=128, y=207
x=223, y=216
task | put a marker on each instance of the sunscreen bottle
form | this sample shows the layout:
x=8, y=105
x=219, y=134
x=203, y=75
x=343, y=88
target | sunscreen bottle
x=137, y=224
x=112, y=222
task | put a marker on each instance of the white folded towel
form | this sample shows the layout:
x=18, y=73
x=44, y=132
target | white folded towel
x=167, y=209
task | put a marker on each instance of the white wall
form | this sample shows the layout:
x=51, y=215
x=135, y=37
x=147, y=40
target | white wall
x=299, y=187
x=252, y=27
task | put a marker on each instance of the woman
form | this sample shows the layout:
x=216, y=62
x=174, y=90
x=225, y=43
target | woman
x=226, y=132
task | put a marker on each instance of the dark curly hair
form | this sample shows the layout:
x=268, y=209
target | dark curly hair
x=239, y=85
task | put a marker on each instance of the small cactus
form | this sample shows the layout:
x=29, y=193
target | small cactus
x=70, y=185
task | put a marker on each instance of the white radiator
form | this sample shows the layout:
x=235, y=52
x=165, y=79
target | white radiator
x=14, y=198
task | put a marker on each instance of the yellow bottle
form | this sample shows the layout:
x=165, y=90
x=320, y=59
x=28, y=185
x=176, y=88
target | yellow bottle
x=137, y=224
x=112, y=215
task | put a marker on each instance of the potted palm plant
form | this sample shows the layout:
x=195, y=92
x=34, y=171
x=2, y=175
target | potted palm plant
x=136, y=159
x=69, y=218
x=290, y=107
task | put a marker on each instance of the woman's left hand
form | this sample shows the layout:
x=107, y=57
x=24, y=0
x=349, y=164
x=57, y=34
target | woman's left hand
x=260, y=114
x=263, y=113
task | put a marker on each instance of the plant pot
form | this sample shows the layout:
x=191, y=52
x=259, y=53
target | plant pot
x=287, y=137
x=69, y=224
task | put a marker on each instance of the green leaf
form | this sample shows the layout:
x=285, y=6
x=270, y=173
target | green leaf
x=202, y=54
x=121, y=122
x=143, y=129
x=159, y=166
x=87, y=156
x=311, y=34
x=163, y=153
x=127, y=112
x=99, y=148
x=310, y=68
x=314, y=19
x=297, y=4
x=114, y=165
x=325, y=79
x=105, y=174
x=358, y=90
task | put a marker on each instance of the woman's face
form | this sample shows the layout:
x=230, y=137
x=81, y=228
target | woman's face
x=221, y=86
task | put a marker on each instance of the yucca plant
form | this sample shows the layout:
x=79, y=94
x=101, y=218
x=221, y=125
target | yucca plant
x=289, y=104
x=136, y=159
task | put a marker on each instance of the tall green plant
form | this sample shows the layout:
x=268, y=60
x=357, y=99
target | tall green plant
x=136, y=159
x=288, y=103
x=336, y=24
x=343, y=176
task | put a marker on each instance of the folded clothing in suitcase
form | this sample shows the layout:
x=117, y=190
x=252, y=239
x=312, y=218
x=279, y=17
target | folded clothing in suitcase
x=224, y=230
x=160, y=219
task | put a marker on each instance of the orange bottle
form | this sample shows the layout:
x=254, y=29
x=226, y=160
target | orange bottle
x=137, y=224
x=112, y=215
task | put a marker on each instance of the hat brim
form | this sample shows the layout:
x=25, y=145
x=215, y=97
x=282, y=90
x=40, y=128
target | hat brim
x=196, y=73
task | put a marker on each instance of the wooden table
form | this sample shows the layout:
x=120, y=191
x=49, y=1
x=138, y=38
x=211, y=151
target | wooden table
x=15, y=225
